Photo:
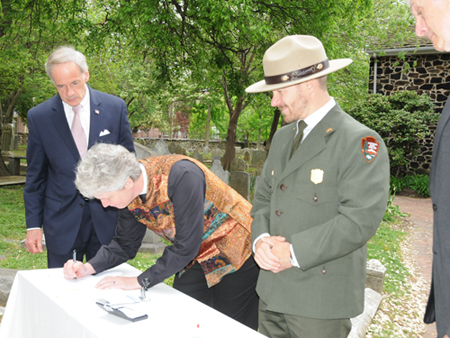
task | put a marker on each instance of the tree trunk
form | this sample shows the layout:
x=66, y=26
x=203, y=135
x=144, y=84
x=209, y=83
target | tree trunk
x=231, y=134
x=208, y=120
x=273, y=128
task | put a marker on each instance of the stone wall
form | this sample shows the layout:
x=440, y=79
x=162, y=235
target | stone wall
x=189, y=144
x=430, y=75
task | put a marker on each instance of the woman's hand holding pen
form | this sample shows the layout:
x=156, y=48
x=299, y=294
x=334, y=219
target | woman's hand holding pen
x=76, y=269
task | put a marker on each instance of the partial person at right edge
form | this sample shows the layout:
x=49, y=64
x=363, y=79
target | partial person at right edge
x=433, y=21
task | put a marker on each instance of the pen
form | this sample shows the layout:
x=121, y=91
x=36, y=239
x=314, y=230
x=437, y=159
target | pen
x=74, y=259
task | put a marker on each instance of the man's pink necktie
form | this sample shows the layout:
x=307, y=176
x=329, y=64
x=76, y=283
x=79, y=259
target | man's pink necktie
x=78, y=132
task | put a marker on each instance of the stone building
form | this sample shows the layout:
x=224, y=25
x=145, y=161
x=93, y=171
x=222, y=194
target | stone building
x=422, y=69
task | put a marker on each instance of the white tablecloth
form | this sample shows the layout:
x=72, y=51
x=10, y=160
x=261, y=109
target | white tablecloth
x=43, y=304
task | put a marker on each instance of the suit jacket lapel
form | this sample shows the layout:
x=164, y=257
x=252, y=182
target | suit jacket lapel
x=61, y=125
x=96, y=117
x=287, y=145
x=315, y=142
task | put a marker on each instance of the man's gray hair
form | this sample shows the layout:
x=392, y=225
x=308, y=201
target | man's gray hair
x=65, y=54
x=105, y=168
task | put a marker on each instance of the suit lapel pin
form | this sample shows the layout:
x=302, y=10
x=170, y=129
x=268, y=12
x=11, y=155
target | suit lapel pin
x=329, y=129
x=97, y=111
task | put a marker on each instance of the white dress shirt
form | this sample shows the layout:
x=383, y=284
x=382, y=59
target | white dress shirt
x=85, y=113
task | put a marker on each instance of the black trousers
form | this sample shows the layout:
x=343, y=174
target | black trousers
x=234, y=296
x=87, y=243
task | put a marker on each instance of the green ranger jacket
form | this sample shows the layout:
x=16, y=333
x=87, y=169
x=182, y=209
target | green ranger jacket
x=328, y=201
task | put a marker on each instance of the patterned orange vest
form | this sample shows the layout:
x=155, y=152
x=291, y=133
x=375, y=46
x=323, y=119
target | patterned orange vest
x=226, y=243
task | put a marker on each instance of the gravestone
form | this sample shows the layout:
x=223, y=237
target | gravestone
x=206, y=150
x=143, y=151
x=6, y=281
x=197, y=156
x=7, y=139
x=240, y=181
x=259, y=169
x=237, y=150
x=375, y=273
x=177, y=149
x=237, y=164
x=246, y=156
x=151, y=243
x=216, y=152
x=173, y=148
x=258, y=156
x=217, y=169
x=161, y=148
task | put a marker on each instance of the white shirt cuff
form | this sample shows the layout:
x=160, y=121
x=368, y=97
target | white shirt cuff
x=293, y=259
x=258, y=238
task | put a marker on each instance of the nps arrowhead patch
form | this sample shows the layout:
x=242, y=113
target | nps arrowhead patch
x=369, y=148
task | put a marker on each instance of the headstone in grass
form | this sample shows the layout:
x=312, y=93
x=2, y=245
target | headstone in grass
x=240, y=181
x=161, y=148
x=375, y=275
x=217, y=169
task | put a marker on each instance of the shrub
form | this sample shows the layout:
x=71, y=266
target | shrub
x=418, y=183
x=401, y=119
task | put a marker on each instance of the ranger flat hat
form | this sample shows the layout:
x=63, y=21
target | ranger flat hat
x=293, y=60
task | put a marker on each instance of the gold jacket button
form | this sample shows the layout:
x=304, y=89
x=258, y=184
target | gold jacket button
x=324, y=271
x=278, y=212
x=283, y=187
x=315, y=199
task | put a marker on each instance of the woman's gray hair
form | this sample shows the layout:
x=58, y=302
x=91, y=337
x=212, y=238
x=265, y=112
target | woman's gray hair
x=105, y=168
x=66, y=54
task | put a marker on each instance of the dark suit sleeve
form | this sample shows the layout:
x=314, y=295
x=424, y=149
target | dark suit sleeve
x=187, y=192
x=34, y=191
x=125, y=136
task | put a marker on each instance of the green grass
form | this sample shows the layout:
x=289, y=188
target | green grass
x=385, y=246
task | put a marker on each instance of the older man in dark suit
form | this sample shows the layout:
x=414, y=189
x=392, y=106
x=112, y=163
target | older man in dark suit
x=61, y=130
x=321, y=197
x=433, y=21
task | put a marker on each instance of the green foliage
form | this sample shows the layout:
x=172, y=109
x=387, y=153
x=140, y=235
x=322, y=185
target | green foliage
x=392, y=212
x=397, y=184
x=417, y=183
x=401, y=119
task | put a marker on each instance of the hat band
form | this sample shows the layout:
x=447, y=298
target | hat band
x=297, y=74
